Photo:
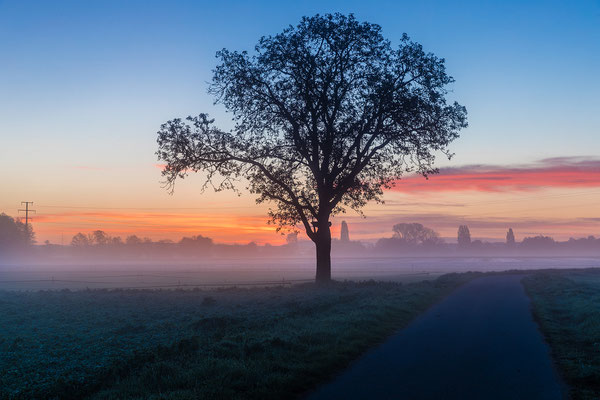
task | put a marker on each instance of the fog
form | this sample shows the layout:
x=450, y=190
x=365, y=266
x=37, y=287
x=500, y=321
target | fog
x=259, y=271
x=413, y=252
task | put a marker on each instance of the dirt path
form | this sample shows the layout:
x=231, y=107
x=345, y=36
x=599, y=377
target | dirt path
x=479, y=343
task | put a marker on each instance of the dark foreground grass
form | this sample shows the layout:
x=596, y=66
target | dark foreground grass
x=566, y=305
x=269, y=343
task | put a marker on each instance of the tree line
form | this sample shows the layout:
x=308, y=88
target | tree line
x=406, y=239
x=415, y=236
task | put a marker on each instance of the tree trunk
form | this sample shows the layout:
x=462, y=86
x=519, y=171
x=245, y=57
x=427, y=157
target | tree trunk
x=323, y=245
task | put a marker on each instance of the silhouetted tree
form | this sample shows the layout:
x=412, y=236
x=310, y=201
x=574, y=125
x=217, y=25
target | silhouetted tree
x=197, y=242
x=99, y=238
x=133, y=240
x=14, y=235
x=510, y=238
x=415, y=233
x=464, y=236
x=327, y=115
x=80, y=240
x=539, y=242
x=344, y=233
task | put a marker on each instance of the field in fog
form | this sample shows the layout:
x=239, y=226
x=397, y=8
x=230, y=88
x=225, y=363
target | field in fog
x=261, y=271
x=219, y=342
x=260, y=343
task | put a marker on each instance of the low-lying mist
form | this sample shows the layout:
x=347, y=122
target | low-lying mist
x=258, y=271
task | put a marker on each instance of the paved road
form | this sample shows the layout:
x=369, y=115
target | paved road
x=479, y=343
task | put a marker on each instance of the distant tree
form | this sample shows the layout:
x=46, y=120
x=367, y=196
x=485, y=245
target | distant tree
x=476, y=244
x=510, y=238
x=464, y=236
x=14, y=235
x=116, y=241
x=327, y=115
x=80, y=240
x=588, y=243
x=99, y=238
x=197, y=242
x=539, y=242
x=415, y=233
x=133, y=240
x=292, y=238
x=344, y=233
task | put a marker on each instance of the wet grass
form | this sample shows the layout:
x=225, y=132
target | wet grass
x=224, y=344
x=566, y=305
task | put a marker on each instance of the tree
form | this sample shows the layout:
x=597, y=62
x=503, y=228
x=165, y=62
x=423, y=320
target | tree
x=327, y=114
x=539, y=242
x=133, y=240
x=197, y=242
x=80, y=240
x=99, y=238
x=510, y=238
x=415, y=233
x=14, y=235
x=464, y=236
x=344, y=233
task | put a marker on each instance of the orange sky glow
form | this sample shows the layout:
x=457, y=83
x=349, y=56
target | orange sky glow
x=556, y=197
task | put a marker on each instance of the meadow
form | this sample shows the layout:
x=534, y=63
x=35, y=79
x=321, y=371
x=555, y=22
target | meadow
x=566, y=305
x=237, y=343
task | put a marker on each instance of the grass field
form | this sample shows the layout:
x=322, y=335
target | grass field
x=566, y=305
x=267, y=343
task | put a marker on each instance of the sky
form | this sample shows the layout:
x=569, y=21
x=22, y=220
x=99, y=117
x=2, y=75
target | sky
x=84, y=86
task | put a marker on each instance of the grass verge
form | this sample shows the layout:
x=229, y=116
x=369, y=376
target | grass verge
x=566, y=305
x=267, y=343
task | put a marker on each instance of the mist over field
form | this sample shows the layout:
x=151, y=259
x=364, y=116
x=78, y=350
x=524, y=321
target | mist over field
x=413, y=252
x=261, y=271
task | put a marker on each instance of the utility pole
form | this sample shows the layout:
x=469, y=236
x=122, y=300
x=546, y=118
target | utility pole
x=27, y=211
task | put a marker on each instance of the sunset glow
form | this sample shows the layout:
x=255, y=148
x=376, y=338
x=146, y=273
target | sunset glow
x=82, y=100
x=560, y=172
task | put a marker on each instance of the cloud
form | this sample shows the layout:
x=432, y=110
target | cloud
x=557, y=172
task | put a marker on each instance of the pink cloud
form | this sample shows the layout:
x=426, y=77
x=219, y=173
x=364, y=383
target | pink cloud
x=558, y=172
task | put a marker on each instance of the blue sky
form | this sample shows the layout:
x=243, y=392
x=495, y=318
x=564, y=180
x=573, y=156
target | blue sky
x=84, y=85
x=74, y=72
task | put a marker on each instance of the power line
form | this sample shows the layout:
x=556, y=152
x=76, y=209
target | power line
x=27, y=211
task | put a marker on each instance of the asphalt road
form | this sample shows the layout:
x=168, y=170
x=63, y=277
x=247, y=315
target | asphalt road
x=479, y=343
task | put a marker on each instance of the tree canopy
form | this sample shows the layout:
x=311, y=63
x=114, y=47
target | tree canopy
x=327, y=115
x=14, y=235
x=415, y=233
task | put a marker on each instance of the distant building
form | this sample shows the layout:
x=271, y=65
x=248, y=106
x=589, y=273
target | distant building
x=344, y=233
